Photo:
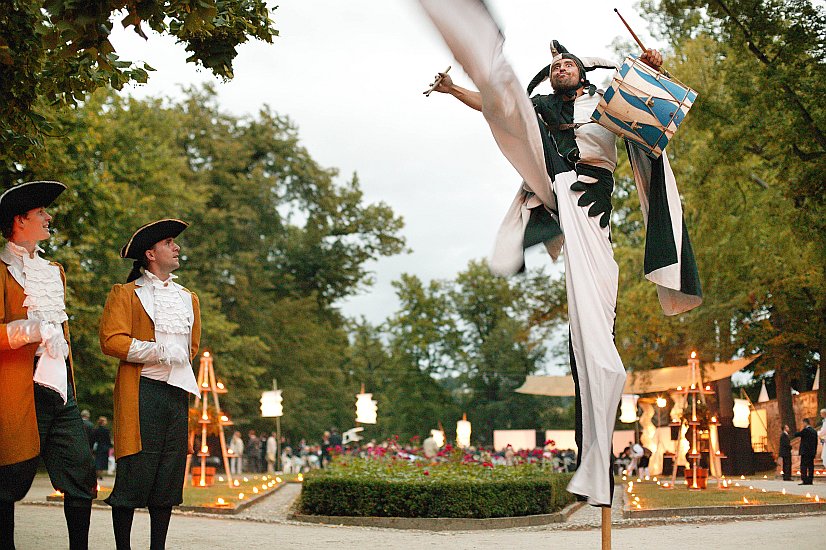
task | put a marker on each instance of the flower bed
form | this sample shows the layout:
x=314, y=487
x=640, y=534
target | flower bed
x=421, y=489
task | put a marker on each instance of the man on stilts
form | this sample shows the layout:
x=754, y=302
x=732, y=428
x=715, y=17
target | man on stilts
x=567, y=164
x=39, y=415
x=153, y=325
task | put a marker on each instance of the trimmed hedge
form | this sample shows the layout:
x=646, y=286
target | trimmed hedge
x=355, y=496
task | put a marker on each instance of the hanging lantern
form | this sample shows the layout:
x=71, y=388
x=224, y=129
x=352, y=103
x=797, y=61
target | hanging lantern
x=661, y=402
x=628, y=408
x=742, y=412
x=764, y=393
x=271, y=404
x=366, y=408
x=463, y=432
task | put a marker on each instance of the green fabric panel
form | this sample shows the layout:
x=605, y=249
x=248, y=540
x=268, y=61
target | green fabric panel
x=541, y=228
x=689, y=274
x=660, y=247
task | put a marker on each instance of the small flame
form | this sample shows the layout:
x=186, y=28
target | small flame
x=278, y=479
x=202, y=483
x=745, y=500
x=817, y=498
x=300, y=477
x=240, y=496
x=255, y=490
x=221, y=501
x=220, y=385
x=220, y=478
x=694, y=355
x=235, y=482
x=783, y=491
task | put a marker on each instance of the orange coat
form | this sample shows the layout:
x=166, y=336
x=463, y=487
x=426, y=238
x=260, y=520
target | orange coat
x=19, y=438
x=124, y=318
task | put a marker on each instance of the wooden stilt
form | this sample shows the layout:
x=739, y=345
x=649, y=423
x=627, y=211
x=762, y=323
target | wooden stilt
x=606, y=528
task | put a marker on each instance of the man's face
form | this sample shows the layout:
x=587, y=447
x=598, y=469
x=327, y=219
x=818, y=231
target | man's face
x=165, y=255
x=565, y=76
x=32, y=226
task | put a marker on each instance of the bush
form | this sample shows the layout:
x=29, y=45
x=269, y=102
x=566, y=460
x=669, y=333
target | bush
x=400, y=489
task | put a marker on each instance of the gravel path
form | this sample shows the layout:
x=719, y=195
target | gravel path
x=264, y=525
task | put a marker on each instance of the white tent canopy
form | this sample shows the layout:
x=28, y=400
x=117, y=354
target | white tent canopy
x=663, y=379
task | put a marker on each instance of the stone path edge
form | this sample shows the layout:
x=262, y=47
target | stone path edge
x=741, y=510
x=211, y=510
x=443, y=524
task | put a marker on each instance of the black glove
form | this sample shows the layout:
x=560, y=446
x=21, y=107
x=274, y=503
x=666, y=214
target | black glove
x=598, y=195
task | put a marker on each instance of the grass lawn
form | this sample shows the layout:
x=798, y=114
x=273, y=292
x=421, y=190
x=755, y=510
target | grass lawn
x=653, y=496
x=208, y=496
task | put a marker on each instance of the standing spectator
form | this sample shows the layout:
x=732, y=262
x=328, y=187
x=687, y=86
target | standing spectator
x=272, y=447
x=88, y=427
x=101, y=444
x=335, y=440
x=821, y=433
x=236, y=445
x=808, y=449
x=252, y=451
x=785, y=453
x=262, y=452
x=636, y=455
x=325, y=449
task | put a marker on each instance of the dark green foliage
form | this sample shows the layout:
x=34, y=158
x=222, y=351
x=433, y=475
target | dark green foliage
x=342, y=496
x=54, y=52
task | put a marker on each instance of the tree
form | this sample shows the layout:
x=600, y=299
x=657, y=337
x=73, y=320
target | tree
x=275, y=242
x=751, y=158
x=54, y=52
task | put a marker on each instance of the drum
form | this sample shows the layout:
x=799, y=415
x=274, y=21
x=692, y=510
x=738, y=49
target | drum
x=644, y=106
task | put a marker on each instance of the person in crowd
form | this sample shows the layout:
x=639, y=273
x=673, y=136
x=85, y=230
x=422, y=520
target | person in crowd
x=271, y=450
x=39, y=416
x=101, y=445
x=252, y=452
x=808, y=450
x=88, y=427
x=821, y=434
x=153, y=326
x=236, y=445
x=785, y=453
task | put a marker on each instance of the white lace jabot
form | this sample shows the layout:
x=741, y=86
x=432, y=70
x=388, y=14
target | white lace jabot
x=171, y=314
x=41, y=282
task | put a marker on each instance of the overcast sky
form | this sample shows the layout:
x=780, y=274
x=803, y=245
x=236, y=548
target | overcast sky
x=350, y=74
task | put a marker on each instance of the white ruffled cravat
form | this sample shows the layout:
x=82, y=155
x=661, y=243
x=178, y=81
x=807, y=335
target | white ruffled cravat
x=44, y=302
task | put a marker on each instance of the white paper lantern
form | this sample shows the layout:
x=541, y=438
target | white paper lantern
x=271, y=404
x=366, y=408
x=628, y=408
x=438, y=436
x=463, y=432
x=742, y=412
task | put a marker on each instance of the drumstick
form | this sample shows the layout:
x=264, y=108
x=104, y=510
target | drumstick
x=436, y=83
x=639, y=42
x=627, y=26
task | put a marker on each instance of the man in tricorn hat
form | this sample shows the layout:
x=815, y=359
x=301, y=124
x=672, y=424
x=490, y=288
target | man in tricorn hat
x=39, y=416
x=153, y=325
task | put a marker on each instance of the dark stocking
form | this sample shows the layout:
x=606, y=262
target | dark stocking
x=6, y=525
x=77, y=512
x=159, y=521
x=122, y=525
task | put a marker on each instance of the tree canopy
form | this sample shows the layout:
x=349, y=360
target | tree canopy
x=54, y=52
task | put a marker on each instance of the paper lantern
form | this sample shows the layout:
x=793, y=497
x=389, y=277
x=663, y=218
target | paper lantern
x=271, y=404
x=438, y=437
x=628, y=408
x=463, y=432
x=661, y=402
x=366, y=408
x=742, y=412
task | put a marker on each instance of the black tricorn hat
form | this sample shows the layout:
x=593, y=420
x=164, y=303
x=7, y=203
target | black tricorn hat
x=147, y=235
x=26, y=196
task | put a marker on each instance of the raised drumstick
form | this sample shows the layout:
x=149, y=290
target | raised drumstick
x=627, y=26
x=435, y=83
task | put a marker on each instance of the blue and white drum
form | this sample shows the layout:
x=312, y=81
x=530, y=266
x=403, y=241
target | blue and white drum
x=644, y=106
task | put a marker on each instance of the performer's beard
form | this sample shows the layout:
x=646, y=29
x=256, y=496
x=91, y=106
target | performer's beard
x=566, y=86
